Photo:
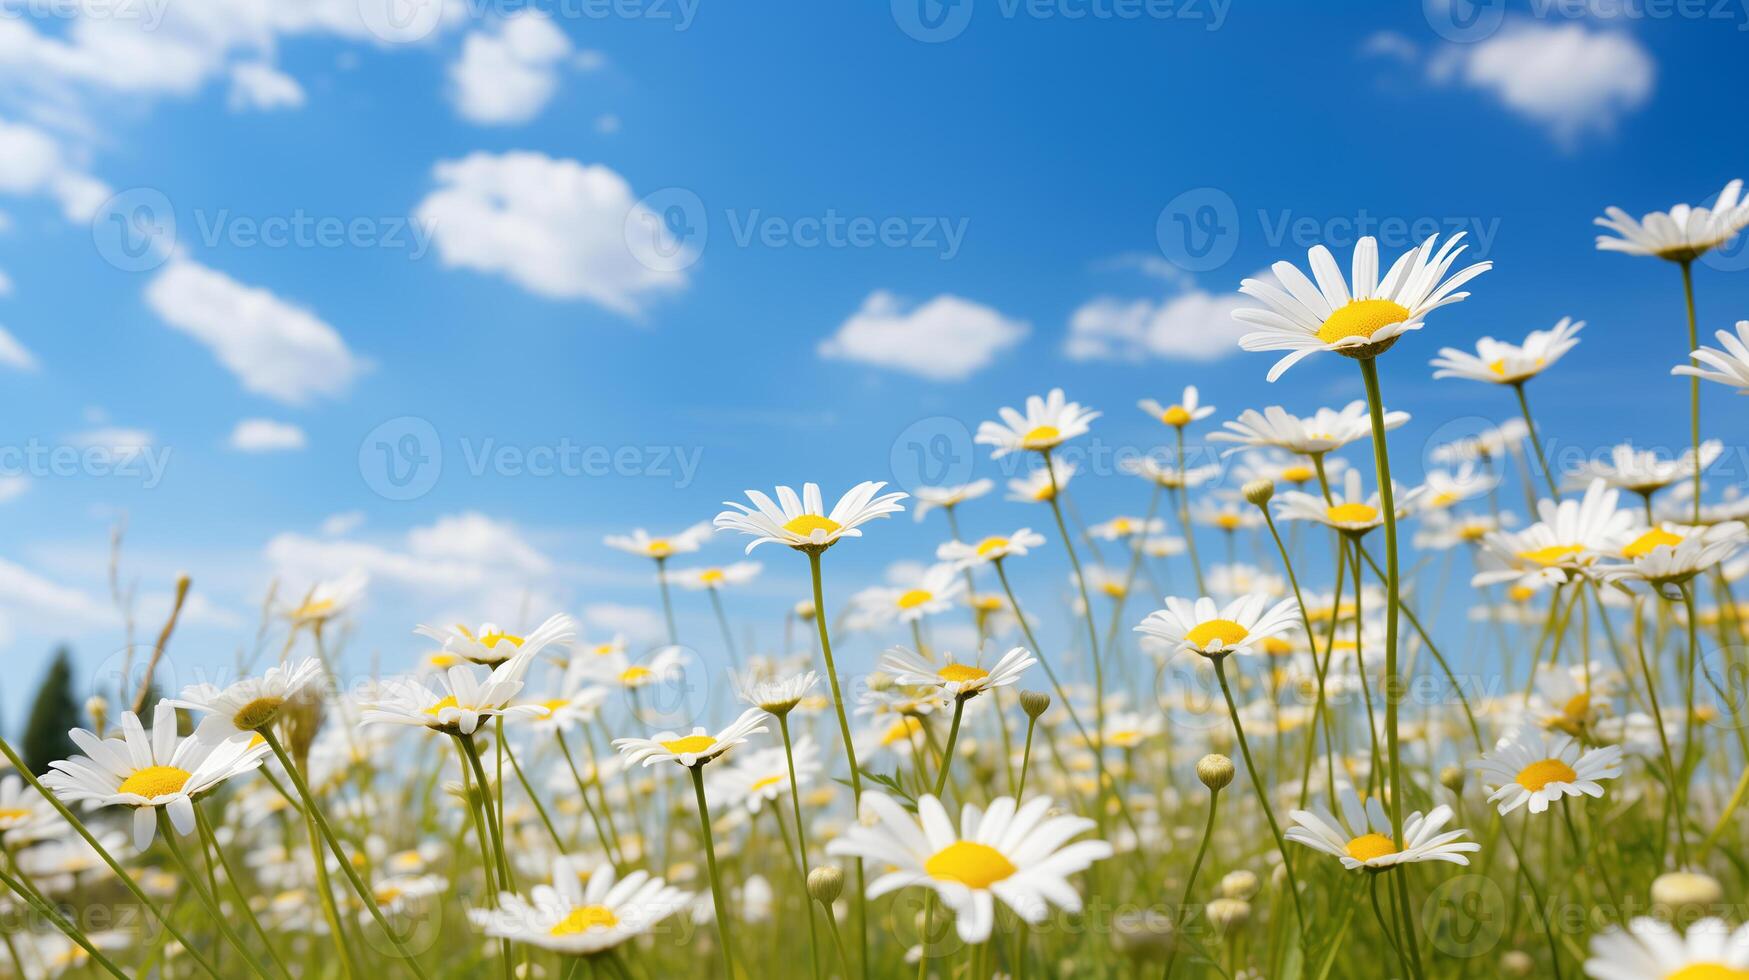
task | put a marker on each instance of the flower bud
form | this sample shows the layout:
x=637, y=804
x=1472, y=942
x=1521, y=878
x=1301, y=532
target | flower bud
x=1517, y=963
x=825, y=884
x=1034, y=703
x=804, y=610
x=1690, y=889
x=1258, y=492
x=1228, y=914
x=1239, y=884
x=97, y=708
x=1452, y=778
x=1215, y=771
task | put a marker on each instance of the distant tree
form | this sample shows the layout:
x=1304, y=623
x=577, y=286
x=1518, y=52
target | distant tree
x=51, y=715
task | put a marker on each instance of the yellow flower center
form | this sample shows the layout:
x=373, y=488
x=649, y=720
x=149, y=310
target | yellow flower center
x=1275, y=646
x=314, y=609
x=992, y=544
x=1227, y=522
x=660, y=548
x=584, y=918
x=900, y=730
x=1175, y=416
x=447, y=701
x=490, y=640
x=1708, y=971
x=759, y=784
x=972, y=865
x=1297, y=474
x=1539, y=774
x=155, y=781
x=1554, y=554
x=1128, y=738
x=552, y=707
x=711, y=576
x=258, y=713
x=634, y=675
x=1520, y=593
x=1352, y=514
x=913, y=598
x=961, y=673
x=387, y=894
x=1113, y=588
x=1361, y=318
x=1369, y=846
x=807, y=524
x=1044, y=492
x=690, y=743
x=1577, y=706
x=13, y=814
x=1225, y=631
x=1642, y=546
x=1043, y=437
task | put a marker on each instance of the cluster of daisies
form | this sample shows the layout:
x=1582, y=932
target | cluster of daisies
x=920, y=782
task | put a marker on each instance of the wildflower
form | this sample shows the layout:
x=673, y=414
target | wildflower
x=1536, y=768
x=1498, y=362
x=803, y=522
x=1048, y=422
x=693, y=749
x=1361, y=838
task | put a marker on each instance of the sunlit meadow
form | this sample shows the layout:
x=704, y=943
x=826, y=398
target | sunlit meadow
x=1268, y=769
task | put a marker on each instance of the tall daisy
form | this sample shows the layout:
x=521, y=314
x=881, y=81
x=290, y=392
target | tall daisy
x=149, y=771
x=1502, y=363
x=1324, y=431
x=1361, y=317
x=1200, y=626
x=967, y=554
x=252, y=703
x=803, y=523
x=1349, y=510
x=461, y=700
x=327, y=600
x=1041, y=484
x=1361, y=837
x=1652, y=949
x=490, y=645
x=580, y=920
x=955, y=679
x=1727, y=364
x=1187, y=409
x=1047, y=423
x=1570, y=536
x=1537, y=768
x=948, y=497
x=1013, y=853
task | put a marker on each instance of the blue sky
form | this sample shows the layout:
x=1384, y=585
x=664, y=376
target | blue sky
x=463, y=258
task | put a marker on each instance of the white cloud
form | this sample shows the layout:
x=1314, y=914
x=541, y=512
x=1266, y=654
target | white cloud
x=13, y=354
x=945, y=339
x=13, y=487
x=1193, y=325
x=555, y=227
x=1567, y=78
x=5, y=280
x=508, y=71
x=25, y=590
x=33, y=162
x=342, y=524
x=117, y=439
x=473, y=537
x=258, y=85
x=266, y=436
x=607, y=124
x=274, y=348
x=1390, y=44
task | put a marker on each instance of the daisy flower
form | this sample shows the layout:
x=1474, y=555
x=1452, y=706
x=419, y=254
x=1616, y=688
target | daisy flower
x=579, y=920
x=1501, y=363
x=1729, y=366
x=1642, y=471
x=639, y=542
x=762, y=776
x=1186, y=410
x=24, y=815
x=694, y=749
x=1442, y=529
x=1041, y=484
x=1538, y=768
x=1167, y=475
x=1347, y=510
x=1363, y=321
x=566, y=713
x=803, y=522
x=948, y=497
x=1442, y=488
x=1361, y=838
x=1202, y=627
x=1008, y=852
x=1489, y=444
x=1227, y=515
x=1682, y=234
x=1672, y=554
x=1570, y=536
x=1324, y=431
x=956, y=680
x=490, y=646
x=1278, y=467
x=1048, y=422
x=776, y=695
x=150, y=771
x=1120, y=527
x=966, y=554
x=250, y=704
x=715, y=576
x=933, y=592
x=327, y=600
x=618, y=670
x=1651, y=949
x=458, y=705
x=1127, y=729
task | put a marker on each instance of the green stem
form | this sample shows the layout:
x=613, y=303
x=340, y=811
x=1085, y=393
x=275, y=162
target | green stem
x=1535, y=442
x=206, y=833
x=795, y=800
x=861, y=904
x=953, y=734
x=168, y=832
x=710, y=858
x=1293, y=885
x=1202, y=850
x=1693, y=381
